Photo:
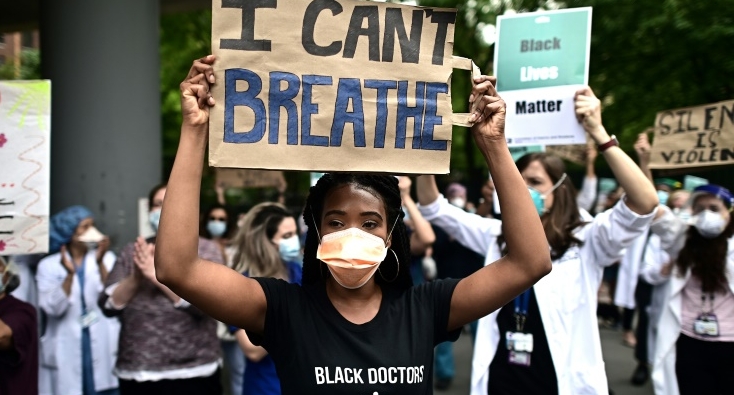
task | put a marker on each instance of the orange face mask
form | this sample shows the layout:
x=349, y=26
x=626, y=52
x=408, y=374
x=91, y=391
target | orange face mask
x=352, y=256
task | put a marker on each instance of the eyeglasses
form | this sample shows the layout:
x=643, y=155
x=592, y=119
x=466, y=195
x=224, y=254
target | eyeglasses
x=220, y=219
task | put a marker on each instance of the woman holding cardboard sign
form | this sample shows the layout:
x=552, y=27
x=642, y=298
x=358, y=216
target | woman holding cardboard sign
x=357, y=324
x=546, y=341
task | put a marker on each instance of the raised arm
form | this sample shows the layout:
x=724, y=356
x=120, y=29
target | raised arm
x=476, y=233
x=640, y=193
x=643, y=150
x=528, y=258
x=423, y=235
x=217, y=290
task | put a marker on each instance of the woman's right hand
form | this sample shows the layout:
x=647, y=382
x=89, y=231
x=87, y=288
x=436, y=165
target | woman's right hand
x=643, y=148
x=195, y=96
x=143, y=257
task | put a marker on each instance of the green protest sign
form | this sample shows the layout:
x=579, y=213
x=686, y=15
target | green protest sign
x=541, y=59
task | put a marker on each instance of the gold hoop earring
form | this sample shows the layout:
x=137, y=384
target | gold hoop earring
x=397, y=272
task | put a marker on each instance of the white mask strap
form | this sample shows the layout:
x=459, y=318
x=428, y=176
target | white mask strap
x=556, y=185
x=389, y=235
x=315, y=226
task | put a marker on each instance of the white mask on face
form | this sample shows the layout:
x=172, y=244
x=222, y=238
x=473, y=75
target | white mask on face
x=91, y=237
x=709, y=224
x=458, y=202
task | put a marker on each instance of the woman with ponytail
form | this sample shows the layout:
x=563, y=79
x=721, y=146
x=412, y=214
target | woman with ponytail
x=356, y=325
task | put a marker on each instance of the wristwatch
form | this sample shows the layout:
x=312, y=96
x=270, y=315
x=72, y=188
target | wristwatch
x=611, y=143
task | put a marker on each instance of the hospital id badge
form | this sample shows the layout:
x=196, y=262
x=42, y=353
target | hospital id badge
x=89, y=319
x=519, y=358
x=706, y=325
x=517, y=341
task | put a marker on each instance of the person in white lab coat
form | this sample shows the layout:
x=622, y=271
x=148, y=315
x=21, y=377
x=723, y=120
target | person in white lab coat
x=633, y=292
x=656, y=268
x=79, y=347
x=547, y=340
x=695, y=343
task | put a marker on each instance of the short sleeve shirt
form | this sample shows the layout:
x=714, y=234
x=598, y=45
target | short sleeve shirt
x=317, y=351
x=19, y=365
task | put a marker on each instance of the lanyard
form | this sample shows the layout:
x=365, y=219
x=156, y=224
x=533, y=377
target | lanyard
x=703, y=302
x=522, y=302
x=80, y=275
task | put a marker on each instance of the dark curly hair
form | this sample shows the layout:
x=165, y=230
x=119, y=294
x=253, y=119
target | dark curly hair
x=382, y=186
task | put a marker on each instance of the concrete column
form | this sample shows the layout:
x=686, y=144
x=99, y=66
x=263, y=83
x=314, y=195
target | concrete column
x=102, y=59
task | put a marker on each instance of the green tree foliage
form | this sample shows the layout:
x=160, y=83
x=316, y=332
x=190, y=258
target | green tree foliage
x=646, y=56
x=183, y=38
x=30, y=67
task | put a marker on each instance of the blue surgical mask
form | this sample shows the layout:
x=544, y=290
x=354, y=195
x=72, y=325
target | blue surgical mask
x=154, y=218
x=539, y=198
x=663, y=197
x=216, y=228
x=289, y=249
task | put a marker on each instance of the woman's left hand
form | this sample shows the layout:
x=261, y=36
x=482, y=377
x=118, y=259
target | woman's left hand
x=488, y=112
x=588, y=113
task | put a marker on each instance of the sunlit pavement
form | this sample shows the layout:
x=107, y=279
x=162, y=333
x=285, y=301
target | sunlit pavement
x=618, y=358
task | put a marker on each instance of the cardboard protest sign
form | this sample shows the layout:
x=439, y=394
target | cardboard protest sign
x=699, y=136
x=25, y=152
x=541, y=59
x=332, y=85
x=575, y=153
x=239, y=178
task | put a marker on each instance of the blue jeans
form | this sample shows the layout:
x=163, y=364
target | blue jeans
x=234, y=362
x=444, y=361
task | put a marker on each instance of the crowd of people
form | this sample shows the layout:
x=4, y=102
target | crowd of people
x=367, y=287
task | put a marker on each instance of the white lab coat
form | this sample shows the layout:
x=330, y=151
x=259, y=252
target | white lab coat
x=567, y=297
x=654, y=261
x=587, y=194
x=61, y=345
x=663, y=374
x=667, y=228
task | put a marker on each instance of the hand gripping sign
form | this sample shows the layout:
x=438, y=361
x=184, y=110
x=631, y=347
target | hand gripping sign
x=333, y=85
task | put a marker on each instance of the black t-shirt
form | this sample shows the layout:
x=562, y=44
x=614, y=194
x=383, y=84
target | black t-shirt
x=317, y=351
x=538, y=378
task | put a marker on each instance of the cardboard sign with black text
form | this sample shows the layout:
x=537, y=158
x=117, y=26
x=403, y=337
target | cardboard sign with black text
x=332, y=85
x=698, y=136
